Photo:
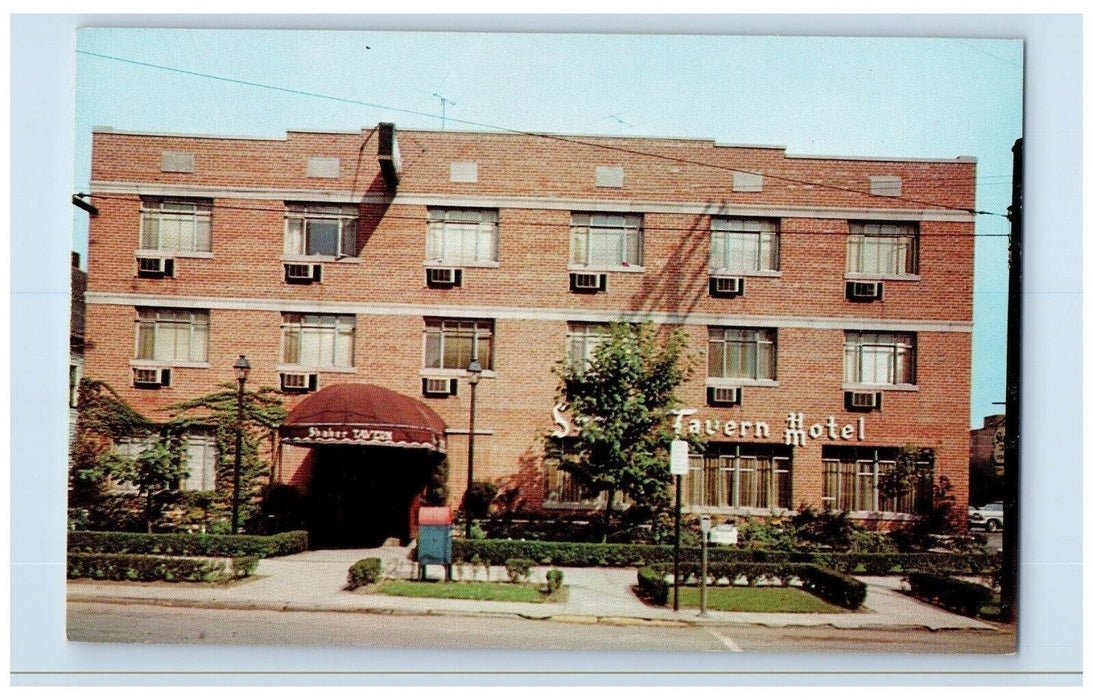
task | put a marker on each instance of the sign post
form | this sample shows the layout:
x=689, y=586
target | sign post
x=678, y=465
x=702, y=582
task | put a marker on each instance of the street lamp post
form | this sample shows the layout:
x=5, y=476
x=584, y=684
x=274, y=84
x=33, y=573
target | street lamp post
x=242, y=369
x=475, y=371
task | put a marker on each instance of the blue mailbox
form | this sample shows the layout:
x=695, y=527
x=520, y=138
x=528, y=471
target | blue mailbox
x=434, y=538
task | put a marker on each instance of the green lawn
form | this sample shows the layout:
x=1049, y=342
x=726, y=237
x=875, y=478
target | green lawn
x=464, y=590
x=760, y=599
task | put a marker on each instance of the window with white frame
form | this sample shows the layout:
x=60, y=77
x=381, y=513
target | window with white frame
x=742, y=353
x=201, y=458
x=175, y=225
x=461, y=236
x=318, y=340
x=879, y=358
x=452, y=343
x=732, y=475
x=605, y=240
x=172, y=335
x=200, y=465
x=743, y=245
x=321, y=229
x=882, y=249
x=582, y=339
x=852, y=481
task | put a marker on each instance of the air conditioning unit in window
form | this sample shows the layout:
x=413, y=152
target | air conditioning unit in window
x=439, y=386
x=298, y=382
x=723, y=396
x=722, y=286
x=865, y=291
x=862, y=400
x=443, y=277
x=303, y=273
x=587, y=282
x=151, y=377
x=155, y=267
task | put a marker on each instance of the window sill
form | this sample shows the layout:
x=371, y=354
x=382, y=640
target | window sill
x=880, y=387
x=151, y=364
x=745, y=273
x=729, y=383
x=563, y=505
x=309, y=369
x=463, y=265
x=142, y=253
x=878, y=515
x=606, y=268
x=882, y=277
x=773, y=512
x=303, y=259
x=441, y=372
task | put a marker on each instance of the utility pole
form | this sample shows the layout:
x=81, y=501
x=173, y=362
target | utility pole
x=1013, y=393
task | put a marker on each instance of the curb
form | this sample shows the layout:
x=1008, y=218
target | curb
x=615, y=620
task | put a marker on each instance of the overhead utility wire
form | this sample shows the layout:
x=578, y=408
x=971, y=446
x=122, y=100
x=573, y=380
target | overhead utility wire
x=550, y=137
x=408, y=217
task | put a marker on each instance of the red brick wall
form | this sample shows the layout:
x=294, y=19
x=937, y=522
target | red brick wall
x=514, y=408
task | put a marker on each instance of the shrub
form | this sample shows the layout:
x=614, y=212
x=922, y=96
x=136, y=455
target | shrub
x=144, y=567
x=364, y=572
x=519, y=570
x=596, y=554
x=193, y=545
x=948, y=592
x=554, y=579
x=832, y=586
x=652, y=584
x=477, y=499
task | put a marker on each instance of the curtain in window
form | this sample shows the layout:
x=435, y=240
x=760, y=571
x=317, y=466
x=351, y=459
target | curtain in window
x=168, y=335
x=450, y=344
x=879, y=358
x=318, y=341
x=882, y=248
x=737, y=353
x=743, y=245
x=605, y=240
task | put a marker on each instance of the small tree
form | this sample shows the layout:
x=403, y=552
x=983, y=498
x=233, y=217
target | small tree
x=263, y=412
x=158, y=468
x=912, y=474
x=620, y=403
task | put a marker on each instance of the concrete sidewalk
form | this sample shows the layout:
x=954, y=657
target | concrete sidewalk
x=314, y=581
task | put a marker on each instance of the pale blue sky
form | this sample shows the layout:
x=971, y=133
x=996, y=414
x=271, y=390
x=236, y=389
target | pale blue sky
x=883, y=97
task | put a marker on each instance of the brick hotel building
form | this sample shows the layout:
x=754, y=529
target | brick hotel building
x=828, y=299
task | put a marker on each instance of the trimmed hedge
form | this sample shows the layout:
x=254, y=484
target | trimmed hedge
x=834, y=587
x=948, y=592
x=364, y=572
x=651, y=582
x=145, y=567
x=594, y=554
x=188, y=545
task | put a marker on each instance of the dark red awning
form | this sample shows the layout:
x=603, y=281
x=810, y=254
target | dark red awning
x=363, y=414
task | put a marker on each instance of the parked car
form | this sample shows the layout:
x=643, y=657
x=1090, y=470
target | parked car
x=988, y=517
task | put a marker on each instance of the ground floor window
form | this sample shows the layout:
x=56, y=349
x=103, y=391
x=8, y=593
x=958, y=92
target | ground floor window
x=853, y=478
x=560, y=488
x=201, y=459
x=739, y=475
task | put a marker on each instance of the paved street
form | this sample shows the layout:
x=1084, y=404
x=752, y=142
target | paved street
x=108, y=622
